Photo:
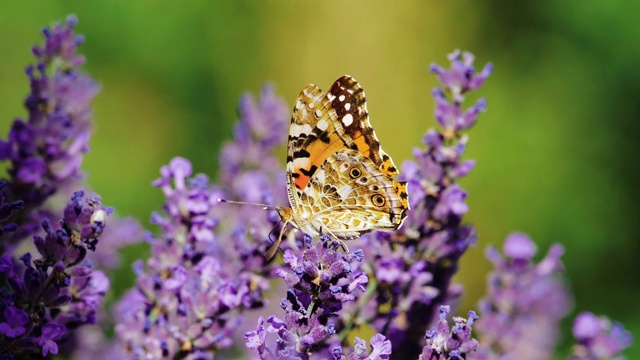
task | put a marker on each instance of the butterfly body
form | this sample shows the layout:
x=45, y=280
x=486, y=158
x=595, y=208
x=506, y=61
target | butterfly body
x=339, y=180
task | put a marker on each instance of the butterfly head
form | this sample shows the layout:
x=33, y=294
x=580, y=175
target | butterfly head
x=286, y=214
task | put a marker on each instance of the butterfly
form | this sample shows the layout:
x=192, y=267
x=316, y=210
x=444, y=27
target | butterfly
x=339, y=180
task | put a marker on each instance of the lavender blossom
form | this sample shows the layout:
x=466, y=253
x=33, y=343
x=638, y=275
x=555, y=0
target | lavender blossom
x=47, y=297
x=185, y=302
x=598, y=338
x=455, y=343
x=525, y=303
x=257, y=340
x=411, y=270
x=251, y=172
x=380, y=349
x=45, y=152
x=7, y=209
x=319, y=283
x=120, y=233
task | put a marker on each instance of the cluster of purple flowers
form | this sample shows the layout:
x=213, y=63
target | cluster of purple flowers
x=207, y=275
x=186, y=299
x=46, y=150
x=319, y=282
x=58, y=291
x=207, y=266
x=598, y=338
x=46, y=296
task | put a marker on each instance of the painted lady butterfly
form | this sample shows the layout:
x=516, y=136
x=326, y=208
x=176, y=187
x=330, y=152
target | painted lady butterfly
x=339, y=180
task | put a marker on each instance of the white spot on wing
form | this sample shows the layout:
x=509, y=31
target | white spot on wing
x=311, y=105
x=347, y=119
x=320, y=176
x=297, y=129
x=318, y=113
x=322, y=124
x=344, y=192
x=347, y=106
x=330, y=96
x=341, y=98
x=301, y=163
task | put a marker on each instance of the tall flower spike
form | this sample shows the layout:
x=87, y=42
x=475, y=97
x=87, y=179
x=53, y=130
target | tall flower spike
x=45, y=152
x=411, y=270
x=251, y=172
x=59, y=291
x=187, y=298
x=525, y=303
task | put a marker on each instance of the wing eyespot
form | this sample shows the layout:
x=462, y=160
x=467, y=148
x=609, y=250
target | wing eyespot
x=378, y=200
x=355, y=173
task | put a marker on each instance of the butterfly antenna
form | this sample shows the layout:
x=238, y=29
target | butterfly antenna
x=264, y=206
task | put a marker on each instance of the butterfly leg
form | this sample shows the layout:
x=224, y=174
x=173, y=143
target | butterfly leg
x=335, y=238
x=274, y=247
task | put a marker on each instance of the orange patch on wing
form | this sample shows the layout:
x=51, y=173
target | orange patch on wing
x=319, y=151
x=361, y=143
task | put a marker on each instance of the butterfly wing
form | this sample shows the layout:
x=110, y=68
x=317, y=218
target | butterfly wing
x=351, y=197
x=352, y=122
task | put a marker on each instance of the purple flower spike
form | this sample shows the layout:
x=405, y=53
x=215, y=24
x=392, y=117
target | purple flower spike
x=413, y=268
x=46, y=150
x=252, y=172
x=598, y=338
x=525, y=302
x=189, y=294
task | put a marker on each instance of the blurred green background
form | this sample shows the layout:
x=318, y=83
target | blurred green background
x=557, y=150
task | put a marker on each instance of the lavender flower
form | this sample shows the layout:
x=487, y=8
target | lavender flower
x=45, y=152
x=598, y=338
x=525, y=302
x=58, y=292
x=455, y=343
x=257, y=340
x=7, y=209
x=185, y=302
x=251, y=172
x=411, y=270
x=380, y=349
x=120, y=233
x=320, y=282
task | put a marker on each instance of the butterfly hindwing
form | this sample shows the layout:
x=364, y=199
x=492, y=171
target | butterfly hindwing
x=350, y=196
